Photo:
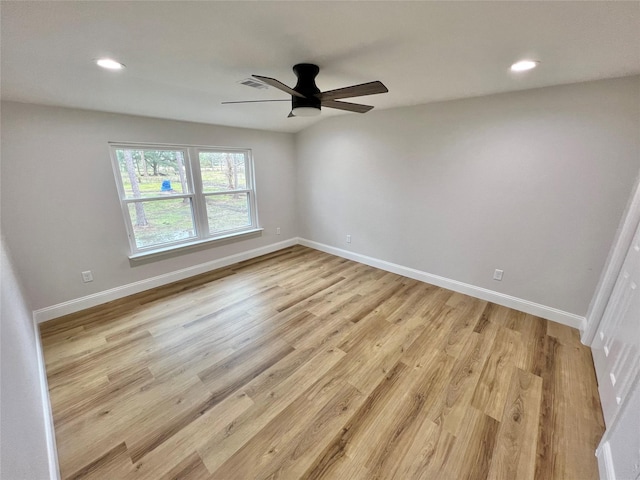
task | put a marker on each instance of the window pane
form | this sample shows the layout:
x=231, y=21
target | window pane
x=228, y=212
x=149, y=173
x=222, y=171
x=161, y=221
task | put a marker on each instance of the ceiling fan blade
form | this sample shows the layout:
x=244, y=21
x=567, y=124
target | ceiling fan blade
x=350, y=107
x=256, y=101
x=279, y=85
x=361, y=90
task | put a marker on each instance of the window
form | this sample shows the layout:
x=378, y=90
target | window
x=175, y=196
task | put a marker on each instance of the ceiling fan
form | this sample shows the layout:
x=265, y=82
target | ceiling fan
x=307, y=99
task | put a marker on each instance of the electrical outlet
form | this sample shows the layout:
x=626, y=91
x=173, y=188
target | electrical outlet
x=87, y=276
x=277, y=230
x=348, y=238
x=497, y=275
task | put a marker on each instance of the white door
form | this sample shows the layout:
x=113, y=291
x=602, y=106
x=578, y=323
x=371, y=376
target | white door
x=619, y=452
x=616, y=348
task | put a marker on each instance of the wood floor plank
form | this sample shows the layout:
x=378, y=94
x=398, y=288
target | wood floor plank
x=545, y=367
x=467, y=311
x=303, y=365
x=305, y=293
x=427, y=454
x=477, y=440
x=185, y=443
x=74, y=344
x=366, y=363
x=96, y=361
x=112, y=463
x=336, y=454
x=327, y=329
x=78, y=442
x=357, y=279
x=72, y=407
x=413, y=305
x=103, y=314
x=181, y=414
x=64, y=394
x=283, y=444
x=449, y=410
x=191, y=468
x=534, y=334
x=578, y=426
x=242, y=366
x=508, y=318
x=506, y=355
x=566, y=336
x=439, y=322
x=514, y=453
x=267, y=405
x=407, y=418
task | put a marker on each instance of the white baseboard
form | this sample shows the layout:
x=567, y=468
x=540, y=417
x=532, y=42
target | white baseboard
x=584, y=324
x=76, y=305
x=52, y=451
x=550, y=313
x=543, y=311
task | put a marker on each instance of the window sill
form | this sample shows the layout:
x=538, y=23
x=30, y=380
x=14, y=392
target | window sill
x=197, y=243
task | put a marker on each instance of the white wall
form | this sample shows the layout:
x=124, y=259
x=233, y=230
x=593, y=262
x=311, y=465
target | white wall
x=531, y=182
x=23, y=434
x=60, y=208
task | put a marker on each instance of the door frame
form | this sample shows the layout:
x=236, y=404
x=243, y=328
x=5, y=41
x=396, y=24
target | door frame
x=621, y=244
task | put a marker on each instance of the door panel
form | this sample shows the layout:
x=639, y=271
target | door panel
x=616, y=348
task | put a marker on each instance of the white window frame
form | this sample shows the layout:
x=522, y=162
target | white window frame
x=191, y=156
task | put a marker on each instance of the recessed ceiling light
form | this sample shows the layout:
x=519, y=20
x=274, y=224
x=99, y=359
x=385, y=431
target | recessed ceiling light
x=524, y=65
x=109, y=64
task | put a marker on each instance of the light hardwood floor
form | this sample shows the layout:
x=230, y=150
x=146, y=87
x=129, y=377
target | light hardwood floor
x=300, y=364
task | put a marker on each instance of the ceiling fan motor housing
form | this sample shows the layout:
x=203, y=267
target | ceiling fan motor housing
x=306, y=73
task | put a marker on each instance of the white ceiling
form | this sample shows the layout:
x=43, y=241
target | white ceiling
x=184, y=58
